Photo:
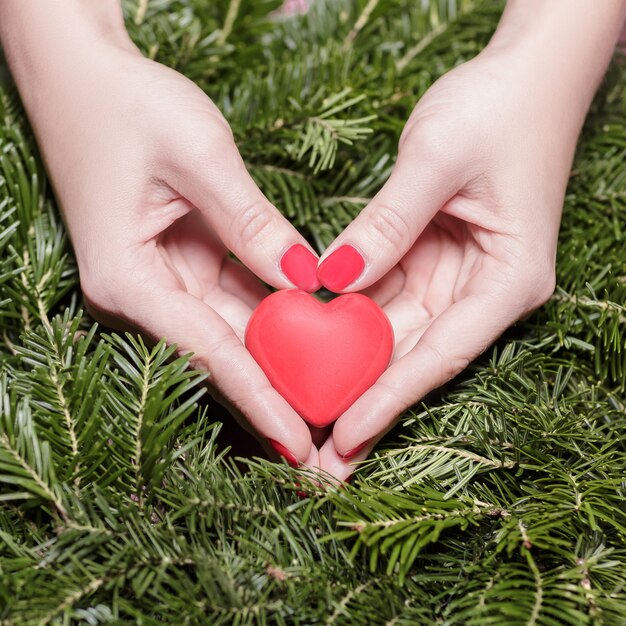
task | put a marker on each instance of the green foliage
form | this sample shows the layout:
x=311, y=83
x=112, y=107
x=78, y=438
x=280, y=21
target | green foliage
x=499, y=500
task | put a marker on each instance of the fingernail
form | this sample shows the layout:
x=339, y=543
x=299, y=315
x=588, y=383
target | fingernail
x=350, y=453
x=284, y=452
x=300, y=266
x=341, y=268
x=301, y=494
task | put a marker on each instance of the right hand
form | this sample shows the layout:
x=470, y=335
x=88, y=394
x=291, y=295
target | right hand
x=155, y=194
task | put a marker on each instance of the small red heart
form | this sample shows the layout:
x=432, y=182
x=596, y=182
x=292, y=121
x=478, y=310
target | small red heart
x=320, y=357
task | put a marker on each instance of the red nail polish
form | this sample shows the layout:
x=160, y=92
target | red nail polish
x=284, y=452
x=303, y=495
x=341, y=268
x=300, y=267
x=350, y=453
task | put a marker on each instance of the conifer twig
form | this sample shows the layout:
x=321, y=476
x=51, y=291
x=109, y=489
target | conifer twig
x=423, y=43
x=360, y=23
x=229, y=21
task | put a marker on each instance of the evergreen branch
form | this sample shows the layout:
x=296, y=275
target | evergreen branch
x=229, y=22
x=215, y=504
x=320, y=136
x=61, y=389
x=360, y=23
x=140, y=14
x=466, y=454
x=69, y=424
x=402, y=525
x=38, y=485
x=329, y=201
x=145, y=381
x=585, y=301
x=438, y=31
x=145, y=412
x=71, y=599
x=340, y=609
x=538, y=600
x=362, y=526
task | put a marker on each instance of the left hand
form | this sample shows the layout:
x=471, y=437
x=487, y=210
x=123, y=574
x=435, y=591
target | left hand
x=461, y=241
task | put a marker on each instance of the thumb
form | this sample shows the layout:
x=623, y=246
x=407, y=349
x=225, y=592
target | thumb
x=213, y=177
x=419, y=186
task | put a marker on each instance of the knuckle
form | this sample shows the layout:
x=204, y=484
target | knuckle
x=223, y=349
x=100, y=293
x=217, y=134
x=253, y=224
x=248, y=401
x=421, y=139
x=207, y=141
x=210, y=141
x=390, y=227
x=446, y=366
x=398, y=396
x=540, y=285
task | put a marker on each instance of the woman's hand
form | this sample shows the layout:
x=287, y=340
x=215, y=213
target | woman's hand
x=155, y=195
x=461, y=241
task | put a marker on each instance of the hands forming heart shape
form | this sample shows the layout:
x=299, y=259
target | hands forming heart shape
x=458, y=244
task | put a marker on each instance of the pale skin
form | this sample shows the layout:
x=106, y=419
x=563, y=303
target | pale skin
x=458, y=244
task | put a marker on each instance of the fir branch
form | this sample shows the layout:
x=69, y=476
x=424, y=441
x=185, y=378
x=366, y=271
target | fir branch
x=340, y=609
x=320, y=136
x=538, y=602
x=143, y=407
x=71, y=599
x=25, y=461
x=231, y=16
x=365, y=15
x=585, y=301
x=466, y=6
x=140, y=14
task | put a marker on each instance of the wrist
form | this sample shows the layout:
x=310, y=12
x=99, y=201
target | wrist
x=565, y=44
x=19, y=20
x=48, y=42
x=561, y=48
x=64, y=56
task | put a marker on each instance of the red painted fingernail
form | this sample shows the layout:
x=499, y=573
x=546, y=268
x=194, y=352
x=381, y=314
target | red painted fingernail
x=284, y=452
x=301, y=494
x=341, y=268
x=300, y=267
x=350, y=453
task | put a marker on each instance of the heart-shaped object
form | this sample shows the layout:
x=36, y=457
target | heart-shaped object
x=320, y=357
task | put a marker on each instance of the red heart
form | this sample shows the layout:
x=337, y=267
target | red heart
x=320, y=357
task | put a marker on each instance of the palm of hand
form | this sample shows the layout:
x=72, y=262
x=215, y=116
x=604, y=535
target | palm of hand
x=446, y=264
x=192, y=256
x=451, y=261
